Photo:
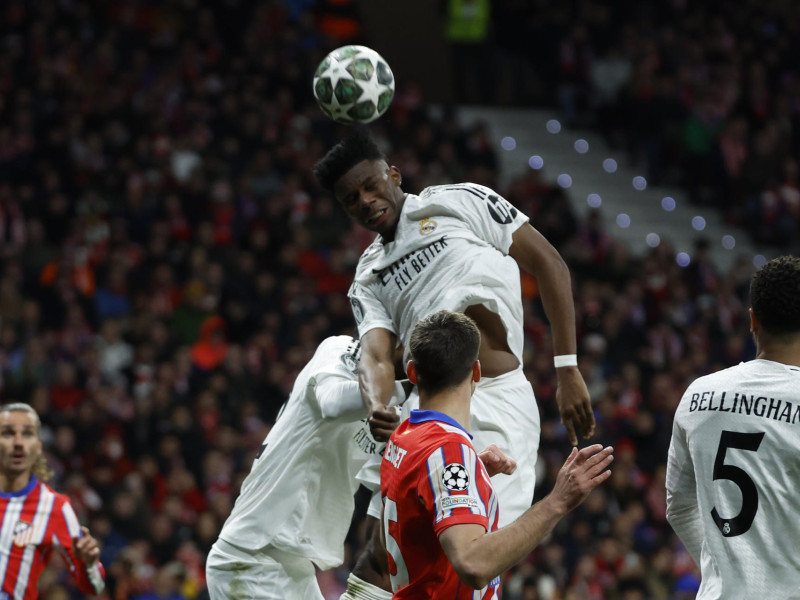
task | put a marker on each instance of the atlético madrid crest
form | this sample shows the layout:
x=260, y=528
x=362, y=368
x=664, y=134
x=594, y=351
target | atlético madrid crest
x=23, y=532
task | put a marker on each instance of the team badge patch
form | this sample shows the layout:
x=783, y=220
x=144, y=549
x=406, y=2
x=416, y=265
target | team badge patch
x=454, y=477
x=358, y=309
x=451, y=502
x=427, y=226
x=22, y=533
x=350, y=363
x=501, y=210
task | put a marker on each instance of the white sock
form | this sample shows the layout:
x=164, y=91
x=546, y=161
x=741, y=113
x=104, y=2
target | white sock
x=358, y=589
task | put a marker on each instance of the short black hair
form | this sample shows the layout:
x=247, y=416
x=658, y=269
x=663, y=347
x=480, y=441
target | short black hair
x=775, y=295
x=443, y=348
x=345, y=155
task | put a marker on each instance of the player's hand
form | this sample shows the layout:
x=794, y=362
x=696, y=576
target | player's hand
x=382, y=422
x=583, y=471
x=574, y=404
x=496, y=461
x=87, y=549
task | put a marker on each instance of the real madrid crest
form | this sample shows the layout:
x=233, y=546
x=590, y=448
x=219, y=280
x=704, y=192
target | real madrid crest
x=427, y=226
x=358, y=310
x=350, y=363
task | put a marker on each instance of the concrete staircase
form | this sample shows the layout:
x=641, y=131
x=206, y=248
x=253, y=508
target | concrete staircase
x=634, y=216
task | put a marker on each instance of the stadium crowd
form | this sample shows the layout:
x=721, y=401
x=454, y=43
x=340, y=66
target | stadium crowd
x=168, y=264
x=701, y=94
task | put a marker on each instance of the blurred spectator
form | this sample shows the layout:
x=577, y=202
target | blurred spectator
x=210, y=349
x=168, y=583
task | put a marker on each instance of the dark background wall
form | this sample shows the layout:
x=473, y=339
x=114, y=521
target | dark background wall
x=389, y=25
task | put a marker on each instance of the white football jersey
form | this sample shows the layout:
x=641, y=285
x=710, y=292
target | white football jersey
x=450, y=251
x=298, y=496
x=733, y=480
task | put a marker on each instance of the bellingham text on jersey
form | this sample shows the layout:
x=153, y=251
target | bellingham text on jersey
x=403, y=270
x=745, y=404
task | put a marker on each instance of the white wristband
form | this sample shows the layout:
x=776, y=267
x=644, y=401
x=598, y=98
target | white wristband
x=565, y=360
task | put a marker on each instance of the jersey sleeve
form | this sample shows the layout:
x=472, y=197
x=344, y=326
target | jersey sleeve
x=682, y=509
x=487, y=214
x=339, y=398
x=452, y=487
x=90, y=578
x=368, y=311
x=333, y=385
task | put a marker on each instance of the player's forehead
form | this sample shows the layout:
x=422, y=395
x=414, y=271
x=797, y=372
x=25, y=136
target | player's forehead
x=358, y=174
x=16, y=419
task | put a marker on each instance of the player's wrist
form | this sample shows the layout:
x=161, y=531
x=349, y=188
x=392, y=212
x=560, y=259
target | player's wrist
x=563, y=361
x=568, y=372
x=375, y=405
x=552, y=507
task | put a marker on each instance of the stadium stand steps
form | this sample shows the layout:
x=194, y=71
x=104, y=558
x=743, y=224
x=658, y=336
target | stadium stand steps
x=531, y=137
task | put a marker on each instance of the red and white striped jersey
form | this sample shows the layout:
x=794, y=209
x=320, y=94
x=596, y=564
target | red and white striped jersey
x=36, y=521
x=432, y=479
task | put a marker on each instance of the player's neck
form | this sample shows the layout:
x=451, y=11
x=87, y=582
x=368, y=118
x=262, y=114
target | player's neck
x=454, y=403
x=14, y=482
x=388, y=236
x=779, y=351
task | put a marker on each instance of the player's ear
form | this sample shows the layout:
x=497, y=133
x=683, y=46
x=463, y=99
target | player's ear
x=395, y=175
x=754, y=324
x=476, y=371
x=411, y=371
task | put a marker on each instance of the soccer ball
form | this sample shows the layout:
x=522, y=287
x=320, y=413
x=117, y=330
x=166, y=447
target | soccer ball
x=353, y=84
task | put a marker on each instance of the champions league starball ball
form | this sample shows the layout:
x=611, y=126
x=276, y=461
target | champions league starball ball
x=353, y=85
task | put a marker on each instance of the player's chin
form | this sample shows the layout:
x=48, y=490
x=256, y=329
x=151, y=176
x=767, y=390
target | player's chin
x=385, y=223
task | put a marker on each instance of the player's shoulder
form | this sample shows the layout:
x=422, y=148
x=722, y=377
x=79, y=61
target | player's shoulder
x=437, y=435
x=465, y=201
x=727, y=376
x=338, y=342
x=372, y=253
x=59, y=499
x=451, y=192
x=342, y=352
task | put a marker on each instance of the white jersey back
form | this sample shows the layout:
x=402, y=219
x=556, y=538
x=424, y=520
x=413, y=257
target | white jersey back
x=735, y=457
x=450, y=251
x=298, y=496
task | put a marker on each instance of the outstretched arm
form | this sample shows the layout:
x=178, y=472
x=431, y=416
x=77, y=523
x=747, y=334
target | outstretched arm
x=81, y=556
x=376, y=378
x=537, y=257
x=478, y=556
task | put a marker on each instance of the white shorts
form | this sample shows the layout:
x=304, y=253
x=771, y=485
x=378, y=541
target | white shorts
x=503, y=411
x=235, y=574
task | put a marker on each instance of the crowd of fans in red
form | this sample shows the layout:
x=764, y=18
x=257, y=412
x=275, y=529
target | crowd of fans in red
x=168, y=264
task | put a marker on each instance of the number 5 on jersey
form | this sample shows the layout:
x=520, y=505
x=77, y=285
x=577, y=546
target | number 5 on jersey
x=744, y=520
x=397, y=566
